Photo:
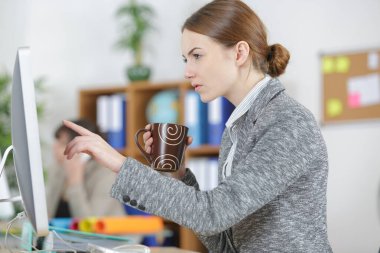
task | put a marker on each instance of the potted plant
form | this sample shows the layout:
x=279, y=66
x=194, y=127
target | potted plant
x=136, y=21
x=5, y=111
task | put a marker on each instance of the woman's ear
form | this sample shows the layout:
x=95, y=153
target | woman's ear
x=242, y=52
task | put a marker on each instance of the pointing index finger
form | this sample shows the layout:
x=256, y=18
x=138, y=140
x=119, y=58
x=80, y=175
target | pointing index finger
x=80, y=130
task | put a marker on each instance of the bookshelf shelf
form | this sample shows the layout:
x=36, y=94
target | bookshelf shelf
x=203, y=150
x=138, y=95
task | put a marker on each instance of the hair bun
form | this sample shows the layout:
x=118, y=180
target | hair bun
x=278, y=58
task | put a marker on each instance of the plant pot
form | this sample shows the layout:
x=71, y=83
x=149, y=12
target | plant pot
x=138, y=73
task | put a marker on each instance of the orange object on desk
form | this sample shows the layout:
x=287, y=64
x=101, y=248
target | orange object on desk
x=129, y=225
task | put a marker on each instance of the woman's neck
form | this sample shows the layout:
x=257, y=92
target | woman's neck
x=245, y=83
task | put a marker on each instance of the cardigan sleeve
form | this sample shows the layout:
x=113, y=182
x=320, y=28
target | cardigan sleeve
x=278, y=159
x=190, y=180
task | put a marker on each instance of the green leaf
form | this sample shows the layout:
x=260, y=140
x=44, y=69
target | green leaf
x=135, y=22
x=5, y=108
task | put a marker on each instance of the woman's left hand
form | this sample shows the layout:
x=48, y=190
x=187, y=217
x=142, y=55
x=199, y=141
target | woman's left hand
x=93, y=145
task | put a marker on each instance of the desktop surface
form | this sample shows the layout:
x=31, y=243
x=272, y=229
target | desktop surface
x=152, y=250
x=169, y=250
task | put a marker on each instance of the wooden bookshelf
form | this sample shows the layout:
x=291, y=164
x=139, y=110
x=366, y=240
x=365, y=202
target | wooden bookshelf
x=138, y=95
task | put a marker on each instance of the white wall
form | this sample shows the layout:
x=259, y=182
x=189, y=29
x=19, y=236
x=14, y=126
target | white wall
x=72, y=43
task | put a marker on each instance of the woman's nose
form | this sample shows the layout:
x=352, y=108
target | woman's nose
x=188, y=73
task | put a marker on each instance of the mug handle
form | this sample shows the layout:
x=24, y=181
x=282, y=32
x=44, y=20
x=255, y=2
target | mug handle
x=146, y=155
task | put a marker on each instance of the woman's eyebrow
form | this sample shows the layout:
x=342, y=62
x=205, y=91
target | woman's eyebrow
x=189, y=53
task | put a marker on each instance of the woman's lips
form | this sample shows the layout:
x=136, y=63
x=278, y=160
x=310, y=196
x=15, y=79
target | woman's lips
x=197, y=87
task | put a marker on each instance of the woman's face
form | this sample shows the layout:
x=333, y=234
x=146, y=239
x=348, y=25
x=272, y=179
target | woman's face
x=210, y=66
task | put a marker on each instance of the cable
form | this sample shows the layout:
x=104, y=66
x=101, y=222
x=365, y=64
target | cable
x=20, y=216
x=71, y=248
x=5, y=158
x=12, y=199
x=9, y=226
x=64, y=241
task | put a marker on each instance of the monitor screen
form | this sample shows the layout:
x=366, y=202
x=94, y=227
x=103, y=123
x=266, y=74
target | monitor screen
x=26, y=144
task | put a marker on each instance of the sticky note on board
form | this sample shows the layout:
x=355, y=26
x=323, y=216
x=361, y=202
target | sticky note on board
x=342, y=64
x=328, y=65
x=373, y=60
x=334, y=107
x=354, y=100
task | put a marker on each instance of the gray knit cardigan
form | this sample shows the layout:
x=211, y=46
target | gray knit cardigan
x=275, y=198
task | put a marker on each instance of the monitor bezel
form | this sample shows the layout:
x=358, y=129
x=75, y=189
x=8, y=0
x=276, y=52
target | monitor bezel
x=26, y=144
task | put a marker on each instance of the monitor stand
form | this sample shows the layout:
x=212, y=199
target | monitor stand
x=27, y=229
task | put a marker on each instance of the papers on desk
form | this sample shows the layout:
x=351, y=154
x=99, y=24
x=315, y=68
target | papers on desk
x=134, y=248
x=67, y=239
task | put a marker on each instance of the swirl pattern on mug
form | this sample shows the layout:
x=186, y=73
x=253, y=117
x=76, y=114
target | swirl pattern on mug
x=166, y=162
x=172, y=135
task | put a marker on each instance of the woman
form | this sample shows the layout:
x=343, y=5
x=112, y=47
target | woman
x=78, y=187
x=273, y=160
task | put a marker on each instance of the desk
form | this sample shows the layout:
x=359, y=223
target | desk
x=13, y=243
x=170, y=250
x=153, y=250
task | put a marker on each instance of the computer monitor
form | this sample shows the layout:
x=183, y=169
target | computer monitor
x=28, y=166
x=26, y=144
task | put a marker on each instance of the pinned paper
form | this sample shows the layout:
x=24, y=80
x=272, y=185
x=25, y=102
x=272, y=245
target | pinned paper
x=364, y=90
x=342, y=64
x=334, y=107
x=328, y=65
x=373, y=60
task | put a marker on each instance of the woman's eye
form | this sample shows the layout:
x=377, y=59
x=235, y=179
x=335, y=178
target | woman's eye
x=196, y=56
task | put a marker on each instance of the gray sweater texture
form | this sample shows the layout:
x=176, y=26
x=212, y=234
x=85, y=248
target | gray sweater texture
x=275, y=198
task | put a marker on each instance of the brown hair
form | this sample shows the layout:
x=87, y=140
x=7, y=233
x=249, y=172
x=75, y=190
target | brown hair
x=231, y=21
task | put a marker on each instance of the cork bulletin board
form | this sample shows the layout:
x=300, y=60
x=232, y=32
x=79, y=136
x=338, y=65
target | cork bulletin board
x=351, y=86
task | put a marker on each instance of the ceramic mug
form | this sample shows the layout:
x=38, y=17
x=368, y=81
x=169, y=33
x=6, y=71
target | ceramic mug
x=168, y=148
